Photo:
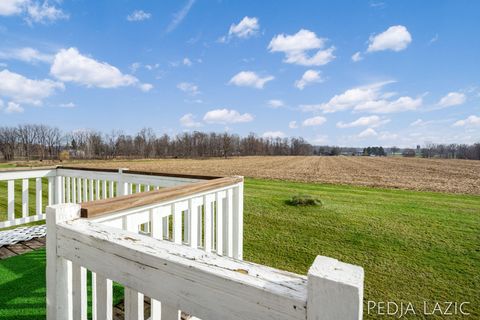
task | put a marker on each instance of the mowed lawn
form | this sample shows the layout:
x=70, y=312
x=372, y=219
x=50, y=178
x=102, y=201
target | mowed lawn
x=414, y=246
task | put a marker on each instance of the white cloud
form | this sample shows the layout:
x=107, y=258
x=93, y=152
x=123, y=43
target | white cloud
x=145, y=87
x=224, y=116
x=71, y=66
x=187, y=62
x=67, y=105
x=293, y=125
x=26, y=54
x=357, y=56
x=470, y=121
x=348, y=99
x=315, y=121
x=369, y=132
x=180, y=15
x=275, y=103
x=151, y=67
x=245, y=29
x=32, y=10
x=44, y=13
x=309, y=77
x=452, y=99
x=21, y=89
x=395, y=38
x=418, y=123
x=193, y=100
x=368, y=98
x=189, y=88
x=188, y=121
x=139, y=15
x=371, y=121
x=12, y=7
x=13, y=107
x=385, y=106
x=135, y=66
x=250, y=79
x=274, y=134
x=296, y=48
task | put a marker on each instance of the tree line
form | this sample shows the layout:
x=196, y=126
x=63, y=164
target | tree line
x=429, y=150
x=41, y=142
x=451, y=151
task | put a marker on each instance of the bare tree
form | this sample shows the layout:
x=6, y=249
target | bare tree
x=8, y=142
x=27, y=135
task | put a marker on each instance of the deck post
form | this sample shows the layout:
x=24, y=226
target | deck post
x=334, y=290
x=59, y=270
x=238, y=221
x=122, y=186
x=58, y=190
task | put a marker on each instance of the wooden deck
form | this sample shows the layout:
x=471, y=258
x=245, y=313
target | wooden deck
x=21, y=247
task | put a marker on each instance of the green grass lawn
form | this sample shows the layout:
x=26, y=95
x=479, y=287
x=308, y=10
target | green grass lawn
x=22, y=284
x=7, y=165
x=414, y=246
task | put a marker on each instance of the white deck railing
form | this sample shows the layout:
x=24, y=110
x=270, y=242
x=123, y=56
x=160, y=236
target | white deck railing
x=178, y=277
x=73, y=185
x=182, y=248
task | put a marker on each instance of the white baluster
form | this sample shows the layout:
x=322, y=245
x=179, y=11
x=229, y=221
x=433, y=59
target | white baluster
x=74, y=190
x=103, y=297
x=238, y=222
x=228, y=224
x=50, y=191
x=97, y=189
x=11, y=199
x=85, y=190
x=104, y=189
x=38, y=196
x=68, y=191
x=79, y=190
x=219, y=224
x=79, y=292
x=91, y=191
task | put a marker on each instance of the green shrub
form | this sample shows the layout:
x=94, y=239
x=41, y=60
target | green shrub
x=304, y=200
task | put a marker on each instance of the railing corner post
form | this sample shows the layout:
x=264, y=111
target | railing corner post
x=121, y=185
x=238, y=221
x=59, y=273
x=334, y=290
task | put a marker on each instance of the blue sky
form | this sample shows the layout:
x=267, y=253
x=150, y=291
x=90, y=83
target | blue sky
x=350, y=73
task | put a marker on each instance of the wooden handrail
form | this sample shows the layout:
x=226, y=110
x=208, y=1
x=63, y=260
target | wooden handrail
x=20, y=169
x=100, y=207
x=147, y=173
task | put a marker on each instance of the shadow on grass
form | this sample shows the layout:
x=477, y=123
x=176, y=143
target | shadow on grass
x=22, y=287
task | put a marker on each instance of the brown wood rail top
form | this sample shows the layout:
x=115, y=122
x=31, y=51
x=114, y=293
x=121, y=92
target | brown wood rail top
x=146, y=173
x=100, y=207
